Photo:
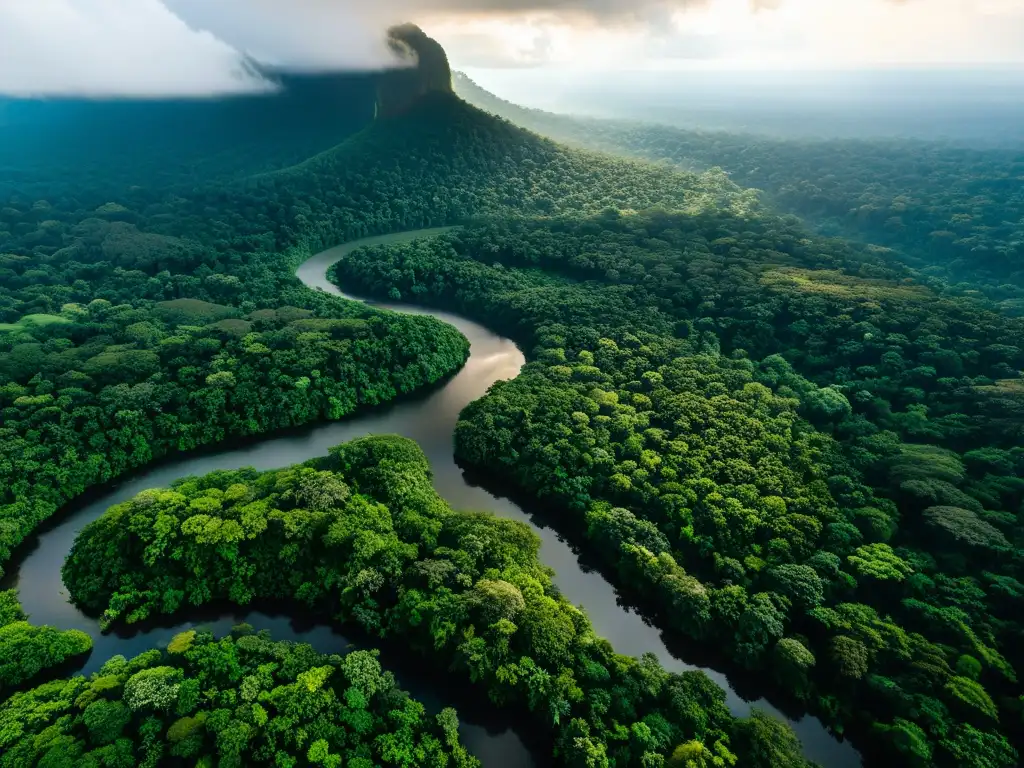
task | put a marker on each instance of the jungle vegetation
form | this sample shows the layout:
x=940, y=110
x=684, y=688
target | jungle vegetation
x=27, y=650
x=164, y=323
x=169, y=318
x=796, y=454
x=362, y=536
x=241, y=700
x=803, y=451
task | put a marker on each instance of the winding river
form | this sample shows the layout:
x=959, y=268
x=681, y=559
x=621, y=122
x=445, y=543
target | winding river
x=430, y=421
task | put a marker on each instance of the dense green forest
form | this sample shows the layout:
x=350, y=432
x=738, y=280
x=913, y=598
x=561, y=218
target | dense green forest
x=950, y=210
x=191, y=304
x=791, y=451
x=362, y=536
x=160, y=321
x=108, y=374
x=237, y=701
x=801, y=452
x=27, y=650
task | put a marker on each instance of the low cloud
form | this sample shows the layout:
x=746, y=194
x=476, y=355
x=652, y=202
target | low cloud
x=113, y=47
x=205, y=47
x=302, y=34
x=349, y=33
x=190, y=48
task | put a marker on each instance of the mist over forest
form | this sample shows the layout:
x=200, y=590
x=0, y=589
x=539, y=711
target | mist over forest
x=976, y=106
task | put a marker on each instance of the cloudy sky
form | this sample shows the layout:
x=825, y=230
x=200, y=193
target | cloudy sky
x=197, y=47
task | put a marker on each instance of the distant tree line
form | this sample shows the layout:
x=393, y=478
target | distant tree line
x=950, y=210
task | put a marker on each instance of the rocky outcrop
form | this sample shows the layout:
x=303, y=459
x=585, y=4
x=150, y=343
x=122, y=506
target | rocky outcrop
x=429, y=72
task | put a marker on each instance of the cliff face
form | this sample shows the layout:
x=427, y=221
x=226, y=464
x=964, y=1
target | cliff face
x=400, y=89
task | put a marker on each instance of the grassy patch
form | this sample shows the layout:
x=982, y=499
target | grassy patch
x=29, y=321
x=835, y=284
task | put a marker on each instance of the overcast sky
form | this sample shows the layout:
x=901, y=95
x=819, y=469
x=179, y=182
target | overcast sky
x=195, y=47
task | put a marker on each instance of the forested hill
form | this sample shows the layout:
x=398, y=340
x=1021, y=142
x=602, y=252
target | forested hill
x=442, y=161
x=951, y=210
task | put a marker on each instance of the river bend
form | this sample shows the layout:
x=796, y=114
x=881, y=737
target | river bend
x=430, y=421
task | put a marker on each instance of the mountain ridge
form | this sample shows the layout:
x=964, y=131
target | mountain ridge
x=963, y=217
